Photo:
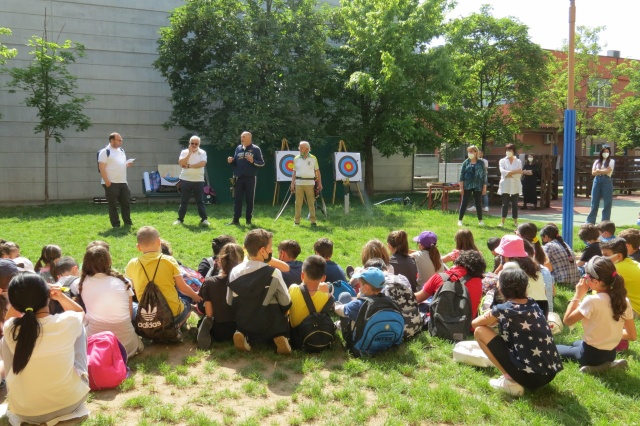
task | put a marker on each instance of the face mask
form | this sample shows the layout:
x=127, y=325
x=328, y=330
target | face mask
x=268, y=259
x=509, y=154
x=530, y=159
x=613, y=258
x=605, y=155
x=471, y=156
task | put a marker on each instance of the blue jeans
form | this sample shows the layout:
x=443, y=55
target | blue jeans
x=602, y=189
x=188, y=188
x=586, y=354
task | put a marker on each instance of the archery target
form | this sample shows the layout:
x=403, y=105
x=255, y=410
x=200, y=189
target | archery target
x=347, y=166
x=284, y=165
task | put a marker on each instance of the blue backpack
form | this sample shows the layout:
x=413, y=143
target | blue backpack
x=340, y=287
x=379, y=326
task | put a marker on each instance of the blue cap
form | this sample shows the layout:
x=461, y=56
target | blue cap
x=373, y=276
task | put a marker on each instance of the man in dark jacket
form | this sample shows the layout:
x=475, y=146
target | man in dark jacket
x=246, y=161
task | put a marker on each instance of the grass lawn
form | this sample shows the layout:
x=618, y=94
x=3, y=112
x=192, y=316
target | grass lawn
x=416, y=384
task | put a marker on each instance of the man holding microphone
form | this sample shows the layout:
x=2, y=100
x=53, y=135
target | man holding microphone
x=246, y=161
x=305, y=174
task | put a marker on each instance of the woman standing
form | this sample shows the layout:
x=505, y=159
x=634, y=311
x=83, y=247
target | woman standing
x=472, y=182
x=602, y=185
x=531, y=173
x=510, y=185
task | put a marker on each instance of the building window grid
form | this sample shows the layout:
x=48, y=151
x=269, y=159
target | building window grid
x=601, y=97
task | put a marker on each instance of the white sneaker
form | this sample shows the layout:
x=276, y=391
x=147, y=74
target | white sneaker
x=459, y=223
x=501, y=225
x=481, y=223
x=205, y=223
x=240, y=342
x=282, y=345
x=177, y=222
x=507, y=385
x=472, y=209
x=486, y=209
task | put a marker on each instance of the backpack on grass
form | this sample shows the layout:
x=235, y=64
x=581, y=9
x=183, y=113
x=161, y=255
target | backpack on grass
x=154, y=320
x=378, y=327
x=450, y=312
x=340, y=287
x=106, y=361
x=316, y=332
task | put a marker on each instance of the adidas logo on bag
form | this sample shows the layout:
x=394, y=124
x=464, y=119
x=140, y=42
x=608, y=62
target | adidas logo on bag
x=148, y=314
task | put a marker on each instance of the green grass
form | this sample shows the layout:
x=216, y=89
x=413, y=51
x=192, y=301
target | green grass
x=415, y=384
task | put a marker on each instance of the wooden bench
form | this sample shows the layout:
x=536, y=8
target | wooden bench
x=150, y=194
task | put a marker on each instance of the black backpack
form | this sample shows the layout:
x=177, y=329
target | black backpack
x=450, y=311
x=316, y=332
x=154, y=319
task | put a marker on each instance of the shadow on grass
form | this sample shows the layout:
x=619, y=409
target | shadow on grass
x=560, y=407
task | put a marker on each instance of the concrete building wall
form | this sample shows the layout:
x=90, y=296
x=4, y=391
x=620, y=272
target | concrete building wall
x=130, y=96
x=393, y=174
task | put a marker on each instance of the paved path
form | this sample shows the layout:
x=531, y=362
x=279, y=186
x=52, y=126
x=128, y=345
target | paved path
x=624, y=212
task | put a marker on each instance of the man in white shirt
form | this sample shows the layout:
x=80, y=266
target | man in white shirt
x=305, y=174
x=112, y=164
x=193, y=160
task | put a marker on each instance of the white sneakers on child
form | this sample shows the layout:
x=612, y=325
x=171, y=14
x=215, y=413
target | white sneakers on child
x=240, y=342
x=507, y=386
x=481, y=223
x=459, y=223
x=282, y=345
x=619, y=364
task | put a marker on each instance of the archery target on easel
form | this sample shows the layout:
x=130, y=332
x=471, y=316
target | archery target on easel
x=284, y=165
x=347, y=166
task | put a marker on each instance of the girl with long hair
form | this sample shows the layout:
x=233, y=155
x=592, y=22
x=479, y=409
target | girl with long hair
x=108, y=299
x=602, y=188
x=473, y=177
x=464, y=241
x=562, y=260
x=606, y=317
x=529, y=232
x=43, y=354
x=46, y=264
x=402, y=263
x=427, y=257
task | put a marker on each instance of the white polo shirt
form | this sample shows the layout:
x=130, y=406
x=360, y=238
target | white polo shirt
x=193, y=175
x=305, y=169
x=116, y=164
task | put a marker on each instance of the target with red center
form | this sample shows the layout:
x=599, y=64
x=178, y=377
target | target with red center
x=284, y=161
x=347, y=166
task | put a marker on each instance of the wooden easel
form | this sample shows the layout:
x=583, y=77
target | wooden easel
x=276, y=191
x=342, y=147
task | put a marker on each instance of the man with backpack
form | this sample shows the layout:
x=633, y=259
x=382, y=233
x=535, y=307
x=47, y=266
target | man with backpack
x=112, y=165
x=372, y=322
x=311, y=326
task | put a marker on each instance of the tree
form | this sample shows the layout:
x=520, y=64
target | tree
x=386, y=78
x=499, y=78
x=50, y=88
x=622, y=123
x=246, y=65
x=5, y=52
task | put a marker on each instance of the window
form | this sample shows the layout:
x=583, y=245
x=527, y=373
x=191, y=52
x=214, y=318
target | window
x=600, y=93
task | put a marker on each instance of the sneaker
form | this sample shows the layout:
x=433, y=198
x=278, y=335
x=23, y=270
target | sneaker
x=471, y=209
x=486, y=209
x=177, y=222
x=481, y=223
x=205, y=222
x=501, y=225
x=507, y=385
x=240, y=342
x=204, y=333
x=349, y=271
x=459, y=223
x=233, y=222
x=596, y=369
x=620, y=364
x=282, y=345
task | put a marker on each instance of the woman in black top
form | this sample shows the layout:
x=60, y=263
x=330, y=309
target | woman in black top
x=531, y=173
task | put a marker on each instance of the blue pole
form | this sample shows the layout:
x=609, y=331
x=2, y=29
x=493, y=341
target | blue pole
x=568, y=175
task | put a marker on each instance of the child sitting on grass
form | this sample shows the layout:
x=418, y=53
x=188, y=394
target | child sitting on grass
x=324, y=247
x=589, y=235
x=219, y=323
x=259, y=297
x=46, y=264
x=606, y=318
x=140, y=271
x=631, y=236
x=523, y=349
x=607, y=230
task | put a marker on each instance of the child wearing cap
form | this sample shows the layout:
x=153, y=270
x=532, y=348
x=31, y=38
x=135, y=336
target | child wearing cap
x=427, y=256
x=372, y=282
x=523, y=349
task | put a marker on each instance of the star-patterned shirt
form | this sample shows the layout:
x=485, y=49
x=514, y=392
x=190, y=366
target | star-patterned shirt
x=525, y=330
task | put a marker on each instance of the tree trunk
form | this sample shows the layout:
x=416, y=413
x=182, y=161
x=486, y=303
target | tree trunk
x=46, y=168
x=368, y=169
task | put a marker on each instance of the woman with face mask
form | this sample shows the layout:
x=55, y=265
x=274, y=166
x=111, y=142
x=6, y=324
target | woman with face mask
x=602, y=185
x=531, y=174
x=472, y=183
x=510, y=185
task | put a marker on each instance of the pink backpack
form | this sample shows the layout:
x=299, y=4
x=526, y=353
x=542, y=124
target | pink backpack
x=107, y=361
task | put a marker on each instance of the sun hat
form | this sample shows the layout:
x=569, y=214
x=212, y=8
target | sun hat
x=426, y=239
x=372, y=276
x=511, y=246
x=7, y=268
